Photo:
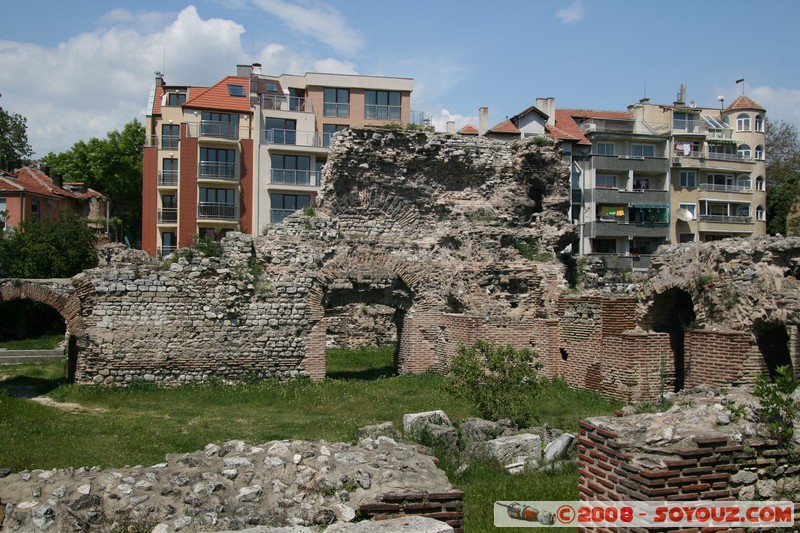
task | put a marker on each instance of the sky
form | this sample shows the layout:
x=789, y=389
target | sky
x=80, y=69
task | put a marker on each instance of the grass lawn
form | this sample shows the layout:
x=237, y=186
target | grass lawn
x=141, y=424
x=43, y=343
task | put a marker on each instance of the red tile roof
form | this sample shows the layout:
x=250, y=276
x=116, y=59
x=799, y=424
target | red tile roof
x=744, y=102
x=469, y=129
x=567, y=126
x=505, y=127
x=218, y=97
x=33, y=181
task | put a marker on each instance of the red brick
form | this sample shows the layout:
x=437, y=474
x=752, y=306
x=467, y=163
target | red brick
x=710, y=441
x=696, y=488
x=378, y=507
x=657, y=474
x=445, y=496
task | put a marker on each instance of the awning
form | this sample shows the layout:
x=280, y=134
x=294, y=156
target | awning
x=651, y=206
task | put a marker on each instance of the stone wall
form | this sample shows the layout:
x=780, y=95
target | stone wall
x=698, y=450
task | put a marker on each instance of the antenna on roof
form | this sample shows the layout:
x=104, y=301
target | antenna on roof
x=164, y=61
x=645, y=90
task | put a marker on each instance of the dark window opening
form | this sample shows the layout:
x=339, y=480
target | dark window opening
x=773, y=343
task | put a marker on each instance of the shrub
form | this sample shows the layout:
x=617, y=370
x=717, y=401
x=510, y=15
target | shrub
x=501, y=381
x=778, y=406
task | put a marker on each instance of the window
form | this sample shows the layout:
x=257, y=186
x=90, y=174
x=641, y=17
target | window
x=743, y=122
x=328, y=130
x=216, y=203
x=604, y=149
x=176, y=99
x=297, y=100
x=169, y=136
x=760, y=152
x=382, y=105
x=686, y=237
x=643, y=150
x=743, y=181
x=218, y=196
x=291, y=169
x=759, y=183
x=222, y=125
x=720, y=179
x=760, y=213
x=605, y=182
x=281, y=131
x=35, y=210
x=169, y=201
x=743, y=152
x=760, y=123
x=688, y=179
x=604, y=246
x=236, y=90
x=3, y=214
x=169, y=172
x=272, y=87
x=169, y=209
x=336, y=102
x=283, y=205
x=217, y=163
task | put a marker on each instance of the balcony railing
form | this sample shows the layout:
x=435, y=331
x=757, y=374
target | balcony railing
x=167, y=215
x=381, y=112
x=215, y=129
x=716, y=156
x=420, y=118
x=726, y=219
x=689, y=126
x=167, y=178
x=216, y=170
x=724, y=188
x=292, y=137
x=286, y=103
x=332, y=109
x=216, y=211
x=624, y=262
x=613, y=125
x=276, y=216
x=164, y=251
x=306, y=178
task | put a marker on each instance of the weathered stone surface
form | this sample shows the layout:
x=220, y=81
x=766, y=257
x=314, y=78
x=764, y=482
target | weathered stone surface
x=479, y=430
x=189, y=492
x=385, y=429
x=508, y=449
x=558, y=447
x=438, y=418
x=406, y=524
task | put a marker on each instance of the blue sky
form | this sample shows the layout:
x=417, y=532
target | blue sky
x=81, y=68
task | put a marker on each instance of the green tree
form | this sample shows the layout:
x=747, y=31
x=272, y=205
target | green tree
x=49, y=248
x=112, y=166
x=13, y=139
x=783, y=173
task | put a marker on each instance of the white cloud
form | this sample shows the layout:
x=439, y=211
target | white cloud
x=440, y=117
x=571, y=14
x=316, y=20
x=781, y=103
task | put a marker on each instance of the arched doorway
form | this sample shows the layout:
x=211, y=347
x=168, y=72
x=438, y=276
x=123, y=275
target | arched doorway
x=51, y=305
x=672, y=312
x=772, y=340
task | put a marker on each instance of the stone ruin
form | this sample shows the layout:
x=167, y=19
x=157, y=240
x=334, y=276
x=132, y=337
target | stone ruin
x=449, y=240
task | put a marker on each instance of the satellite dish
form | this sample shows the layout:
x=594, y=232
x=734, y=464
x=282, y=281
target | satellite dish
x=684, y=214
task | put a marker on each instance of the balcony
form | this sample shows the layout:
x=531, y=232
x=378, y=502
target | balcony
x=381, y=112
x=725, y=219
x=293, y=138
x=168, y=215
x=624, y=126
x=286, y=103
x=725, y=188
x=217, y=130
x=217, y=211
x=624, y=163
x=626, y=229
x=689, y=126
x=276, y=216
x=623, y=196
x=167, y=178
x=624, y=262
x=215, y=170
x=302, y=178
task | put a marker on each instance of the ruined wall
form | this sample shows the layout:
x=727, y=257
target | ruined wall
x=697, y=450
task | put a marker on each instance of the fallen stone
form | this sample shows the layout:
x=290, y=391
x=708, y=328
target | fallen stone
x=505, y=449
x=438, y=418
x=385, y=429
x=479, y=430
x=558, y=447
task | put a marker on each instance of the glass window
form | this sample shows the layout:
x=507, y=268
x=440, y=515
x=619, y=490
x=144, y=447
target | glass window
x=743, y=122
x=688, y=178
x=686, y=237
x=382, y=105
x=169, y=136
x=223, y=125
x=604, y=149
x=169, y=171
x=760, y=123
x=216, y=196
x=236, y=90
x=760, y=213
x=643, y=150
x=35, y=210
x=328, y=130
x=605, y=182
x=604, y=246
x=759, y=183
x=281, y=131
x=336, y=102
x=291, y=169
x=743, y=152
x=760, y=152
x=176, y=99
x=743, y=181
x=3, y=214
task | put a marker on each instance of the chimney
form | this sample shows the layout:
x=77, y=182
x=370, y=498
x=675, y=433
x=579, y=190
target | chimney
x=159, y=79
x=483, y=120
x=450, y=127
x=548, y=107
x=58, y=180
x=681, y=96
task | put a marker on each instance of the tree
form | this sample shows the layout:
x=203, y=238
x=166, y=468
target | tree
x=113, y=167
x=14, y=145
x=49, y=248
x=783, y=173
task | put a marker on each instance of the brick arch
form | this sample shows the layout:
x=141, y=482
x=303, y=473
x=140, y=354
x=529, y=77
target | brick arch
x=67, y=305
x=359, y=265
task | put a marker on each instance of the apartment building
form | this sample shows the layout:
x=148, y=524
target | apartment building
x=657, y=174
x=249, y=150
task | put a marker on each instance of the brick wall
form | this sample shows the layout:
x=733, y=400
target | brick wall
x=443, y=506
x=721, y=358
x=610, y=469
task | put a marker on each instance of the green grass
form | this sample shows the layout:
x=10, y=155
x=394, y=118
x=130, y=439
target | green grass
x=143, y=423
x=43, y=343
